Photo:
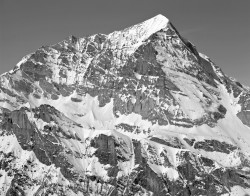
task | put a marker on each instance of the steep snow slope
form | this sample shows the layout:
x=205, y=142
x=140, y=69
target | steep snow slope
x=135, y=112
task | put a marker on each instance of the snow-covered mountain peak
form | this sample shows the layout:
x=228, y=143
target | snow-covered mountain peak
x=137, y=112
x=153, y=24
x=156, y=23
x=132, y=37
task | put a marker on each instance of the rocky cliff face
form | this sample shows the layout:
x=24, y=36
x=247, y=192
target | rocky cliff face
x=136, y=112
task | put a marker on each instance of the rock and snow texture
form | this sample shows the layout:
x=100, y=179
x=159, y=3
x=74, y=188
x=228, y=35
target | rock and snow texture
x=136, y=112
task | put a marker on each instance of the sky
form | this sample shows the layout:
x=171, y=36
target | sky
x=219, y=28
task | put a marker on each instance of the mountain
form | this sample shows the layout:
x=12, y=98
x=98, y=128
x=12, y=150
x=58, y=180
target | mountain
x=135, y=112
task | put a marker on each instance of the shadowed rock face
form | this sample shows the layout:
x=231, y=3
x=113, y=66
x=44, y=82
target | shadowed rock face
x=44, y=143
x=195, y=175
x=135, y=112
x=244, y=114
x=47, y=143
